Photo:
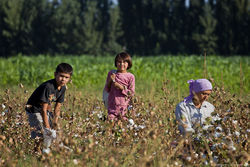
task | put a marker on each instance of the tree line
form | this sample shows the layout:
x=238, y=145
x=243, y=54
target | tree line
x=143, y=27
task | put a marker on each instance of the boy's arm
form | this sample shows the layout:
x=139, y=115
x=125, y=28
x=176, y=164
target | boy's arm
x=56, y=114
x=44, y=115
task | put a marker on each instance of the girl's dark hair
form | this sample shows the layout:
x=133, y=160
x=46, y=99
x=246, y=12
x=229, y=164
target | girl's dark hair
x=125, y=57
x=64, y=68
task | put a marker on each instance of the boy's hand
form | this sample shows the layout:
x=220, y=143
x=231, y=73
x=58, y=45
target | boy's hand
x=54, y=123
x=50, y=133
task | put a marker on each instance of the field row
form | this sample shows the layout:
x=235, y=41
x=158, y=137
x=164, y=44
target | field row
x=90, y=72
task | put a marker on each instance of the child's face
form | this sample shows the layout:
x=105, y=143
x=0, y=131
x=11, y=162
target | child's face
x=203, y=95
x=122, y=65
x=62, y=78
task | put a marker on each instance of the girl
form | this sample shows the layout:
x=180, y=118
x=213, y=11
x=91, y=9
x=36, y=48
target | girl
x=194, y=109
x=120, y=85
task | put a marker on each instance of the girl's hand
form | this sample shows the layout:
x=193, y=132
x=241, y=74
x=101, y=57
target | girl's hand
x=112, y=76
x=119, y=86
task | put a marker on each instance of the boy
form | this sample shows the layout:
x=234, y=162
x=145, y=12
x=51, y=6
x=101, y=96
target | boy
x=39, y=107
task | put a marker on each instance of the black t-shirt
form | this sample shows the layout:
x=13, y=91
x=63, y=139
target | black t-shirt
x=47, y=92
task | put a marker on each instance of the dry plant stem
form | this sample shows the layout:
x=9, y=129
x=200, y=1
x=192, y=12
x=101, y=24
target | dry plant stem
x=180, y=145
x=205, y=64
x=208, y=152
x=241, y=80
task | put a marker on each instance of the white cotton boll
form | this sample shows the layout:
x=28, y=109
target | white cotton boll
x=3, y=106
x=130, y=107
x=237, y=133
x=135, y=134
x=189, y=130
x=248, y=130
x=141, y=126
x=75, y=161
x=99, y=115
x=234, y=121
x=6, y=111
x=206, y=127
x=188, y=158
x=46, y=150
x=131, y=122
x=216, y=159
x=216, y=118
x=232, y=148
x=246, y=164
x=218, y=129
x=203, y=155
x=217, y=134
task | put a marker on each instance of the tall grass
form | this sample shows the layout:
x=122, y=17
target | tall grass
x=90, y=72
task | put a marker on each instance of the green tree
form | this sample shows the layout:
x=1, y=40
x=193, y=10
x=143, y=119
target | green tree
x=233, y=26
x=241, y=26
x=42, y=28
x=3, y=41
x=206, y=38
x=19, y=16
x=145, y=25
x=67, y=28
x=177, y=28
x=195, y=10
x=114, y=32
x=92, y=36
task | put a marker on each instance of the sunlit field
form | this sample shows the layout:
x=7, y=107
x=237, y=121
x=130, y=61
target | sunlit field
x=86, y=138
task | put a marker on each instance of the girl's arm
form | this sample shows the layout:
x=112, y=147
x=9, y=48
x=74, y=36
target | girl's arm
x=44, y=115
x=130, y=89
x=119, y=86
x=109, y=80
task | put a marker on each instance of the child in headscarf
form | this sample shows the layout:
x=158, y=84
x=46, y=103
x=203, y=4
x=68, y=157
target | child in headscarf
x=194, y=109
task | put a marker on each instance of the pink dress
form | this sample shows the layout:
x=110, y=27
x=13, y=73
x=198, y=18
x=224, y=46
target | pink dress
x=118, y=99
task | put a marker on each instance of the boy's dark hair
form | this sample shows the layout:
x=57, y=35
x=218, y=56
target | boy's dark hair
x=125, y=57
x=64, y=68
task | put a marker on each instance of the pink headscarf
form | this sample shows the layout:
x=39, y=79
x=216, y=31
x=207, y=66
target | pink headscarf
x=197, y=86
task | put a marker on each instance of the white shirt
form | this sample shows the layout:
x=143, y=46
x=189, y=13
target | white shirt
x=188, y=116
